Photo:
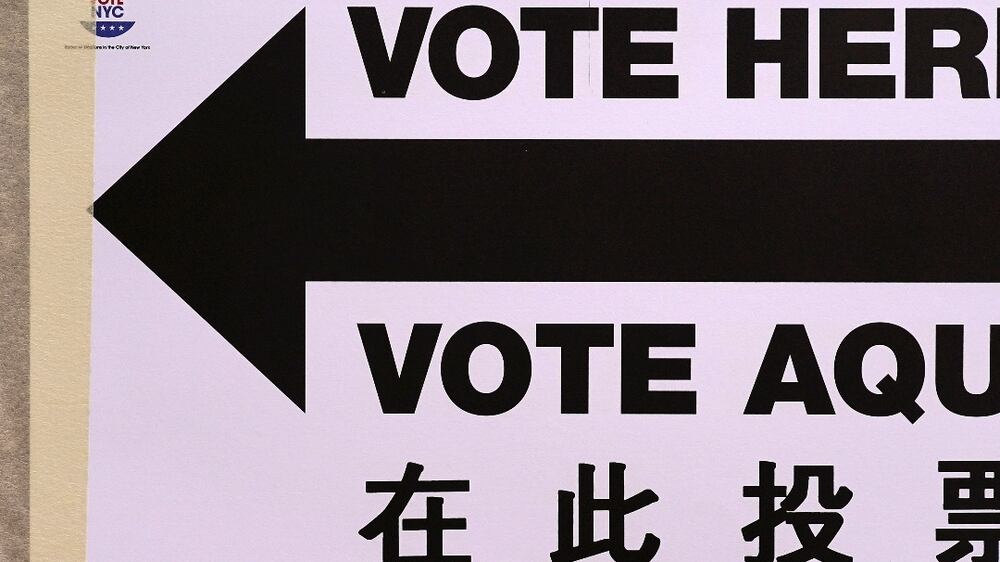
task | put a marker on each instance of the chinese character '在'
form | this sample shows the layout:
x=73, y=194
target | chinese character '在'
x=976, y=499
x=814, y=545
x=617, y=507
x=434, y=524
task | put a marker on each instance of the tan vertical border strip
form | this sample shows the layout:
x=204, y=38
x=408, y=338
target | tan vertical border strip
x=14, y=410
x=61, y=102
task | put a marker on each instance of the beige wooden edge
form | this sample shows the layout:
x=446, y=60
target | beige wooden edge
x=61, y=174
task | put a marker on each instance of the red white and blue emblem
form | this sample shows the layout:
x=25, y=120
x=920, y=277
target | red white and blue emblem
x=109, y=19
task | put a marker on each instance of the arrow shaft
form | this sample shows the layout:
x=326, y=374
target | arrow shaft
x=485, y=210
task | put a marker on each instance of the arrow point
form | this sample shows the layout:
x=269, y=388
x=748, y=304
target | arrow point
x=200, y=209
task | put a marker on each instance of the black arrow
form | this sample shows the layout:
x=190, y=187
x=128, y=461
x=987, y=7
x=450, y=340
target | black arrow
x=235, y=209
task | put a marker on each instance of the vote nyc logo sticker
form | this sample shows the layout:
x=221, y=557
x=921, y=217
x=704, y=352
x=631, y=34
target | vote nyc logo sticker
x=109, y=19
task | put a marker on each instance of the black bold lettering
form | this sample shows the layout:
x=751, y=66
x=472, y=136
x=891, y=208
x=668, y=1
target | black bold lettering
x=389, y=77
x=922, y=57
x=836, y=53
x=620, y=53
x=950, y=374
x=559, y=25
x=745, y=52
x=575, y=341
x=399, y=389
x=443, y=52
x=516, y=368
x=638, y=368
x=789, y=343
x=896, y=396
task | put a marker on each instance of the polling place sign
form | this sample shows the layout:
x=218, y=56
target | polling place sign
x=577, y=282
